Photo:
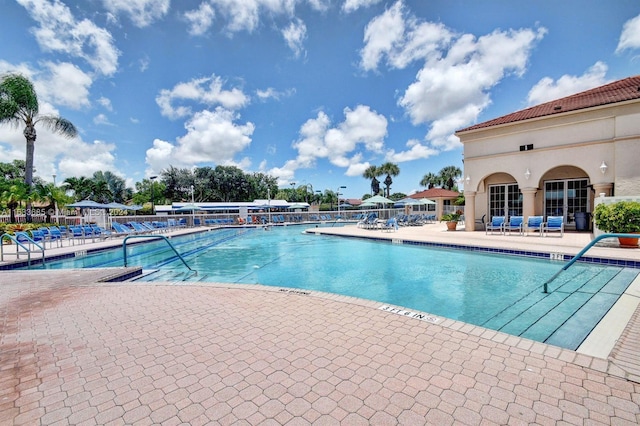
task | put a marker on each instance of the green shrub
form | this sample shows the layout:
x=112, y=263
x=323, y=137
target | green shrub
x=622, y=217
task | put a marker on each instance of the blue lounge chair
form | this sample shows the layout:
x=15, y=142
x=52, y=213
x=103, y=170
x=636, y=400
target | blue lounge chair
x=390, y=225
x=76, y=233
x=515, y=224
x=553, y=224
x=534, y=223
x=496, y=224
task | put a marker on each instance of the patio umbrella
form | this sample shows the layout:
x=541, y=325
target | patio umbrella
x=379, y=199
x=407, y=202
x=119, y=206
x=298, y=206
x=188, y=208
x=426, y=201
x=88, y=204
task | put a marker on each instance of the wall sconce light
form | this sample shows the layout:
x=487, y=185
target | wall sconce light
x=468, y=180
x=603, y=167
x=527, y=174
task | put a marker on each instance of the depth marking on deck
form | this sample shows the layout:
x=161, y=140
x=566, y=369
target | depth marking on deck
x=286, y=290
x=415, y=315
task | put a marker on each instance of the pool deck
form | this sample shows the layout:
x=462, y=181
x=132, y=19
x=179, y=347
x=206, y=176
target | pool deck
x=77, y=350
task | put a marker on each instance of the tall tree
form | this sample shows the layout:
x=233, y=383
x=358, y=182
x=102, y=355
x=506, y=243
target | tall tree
x=449, y=175
x=430, y=180
x=372, y=172
x=116, y=185
x=13, y=196
x=390, y=169
x=80, y=187
x=19, y=106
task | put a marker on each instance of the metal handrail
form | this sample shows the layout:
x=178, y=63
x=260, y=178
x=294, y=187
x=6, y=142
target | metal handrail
x=124, y=248
x=19, y=244
x=583, y=251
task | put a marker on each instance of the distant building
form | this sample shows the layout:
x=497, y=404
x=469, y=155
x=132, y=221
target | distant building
x=444, y=198
x=554, y=158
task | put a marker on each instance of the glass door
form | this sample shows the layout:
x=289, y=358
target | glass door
x=566, y=198
x=505, y=200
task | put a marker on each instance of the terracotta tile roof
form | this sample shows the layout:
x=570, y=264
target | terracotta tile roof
x=435, y=193
x=618, y=91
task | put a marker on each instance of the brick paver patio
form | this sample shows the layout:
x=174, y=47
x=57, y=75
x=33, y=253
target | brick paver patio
x=77, y=351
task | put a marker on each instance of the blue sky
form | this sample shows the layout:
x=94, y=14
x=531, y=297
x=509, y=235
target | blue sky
x=309, y=91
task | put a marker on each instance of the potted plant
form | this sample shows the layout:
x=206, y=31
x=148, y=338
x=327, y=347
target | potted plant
x=451, y=219
x=622, y=217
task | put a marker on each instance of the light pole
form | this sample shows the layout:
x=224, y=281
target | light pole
x=55, y=202
x=338, y=197
x=193, y=212
x=293, y=191
x=153, y=195
x=268, y=205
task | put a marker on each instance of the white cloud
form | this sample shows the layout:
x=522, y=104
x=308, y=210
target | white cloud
x=60, y=32
x=352, y=5
x=271, y=93
x=342, y=145
x=200, y=19
x=141, y=12
x=101, y=119
x=65, y=84
x=294, y=35
x=206, y=91
x=57, y=154
x=106, y=103
x=401, y=39
x=452, y=87
x=547, y=90
x=416, y=151
x=630, y=37
x=212, y=136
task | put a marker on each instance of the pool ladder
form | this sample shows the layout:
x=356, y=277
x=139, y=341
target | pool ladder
x=21, y=245
x=582, y=252
x=157, y=237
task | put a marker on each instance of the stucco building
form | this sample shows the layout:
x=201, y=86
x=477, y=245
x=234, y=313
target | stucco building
x=555, y=158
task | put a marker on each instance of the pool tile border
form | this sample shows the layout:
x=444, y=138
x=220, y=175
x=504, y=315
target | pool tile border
x=626, y=263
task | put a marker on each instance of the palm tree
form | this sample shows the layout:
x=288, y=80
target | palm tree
x=390, y=169
x=81, y=187
x=448, y=176
x=19, y=105
x=430, y=180
x=372, y=172
x=12, y=198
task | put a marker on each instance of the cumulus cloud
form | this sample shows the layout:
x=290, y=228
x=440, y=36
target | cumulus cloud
x=211, y=137
x=60, y=32
x=207, y=90
x=106, y=103
x=416, y=151
x=57, y=154
x=294, y=35
x=64, y=84
x=200, y=19
x=352, y=5
x=547, y=89
x=630, y=37
x=452, y=87
x=342, y=145
x=141, y=12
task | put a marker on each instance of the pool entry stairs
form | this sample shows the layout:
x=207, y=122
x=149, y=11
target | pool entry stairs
x=558, y=317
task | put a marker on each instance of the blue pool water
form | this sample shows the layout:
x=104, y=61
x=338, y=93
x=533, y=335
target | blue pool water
x=498, y=292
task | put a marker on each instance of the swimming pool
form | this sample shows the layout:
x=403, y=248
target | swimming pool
x=498, y=292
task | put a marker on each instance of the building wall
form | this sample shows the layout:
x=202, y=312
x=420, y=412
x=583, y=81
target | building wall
x=565, y=146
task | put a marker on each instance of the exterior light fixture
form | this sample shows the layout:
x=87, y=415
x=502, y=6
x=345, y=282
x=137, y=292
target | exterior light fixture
x=527, y=174
x=603, y=167
x=467, y=180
